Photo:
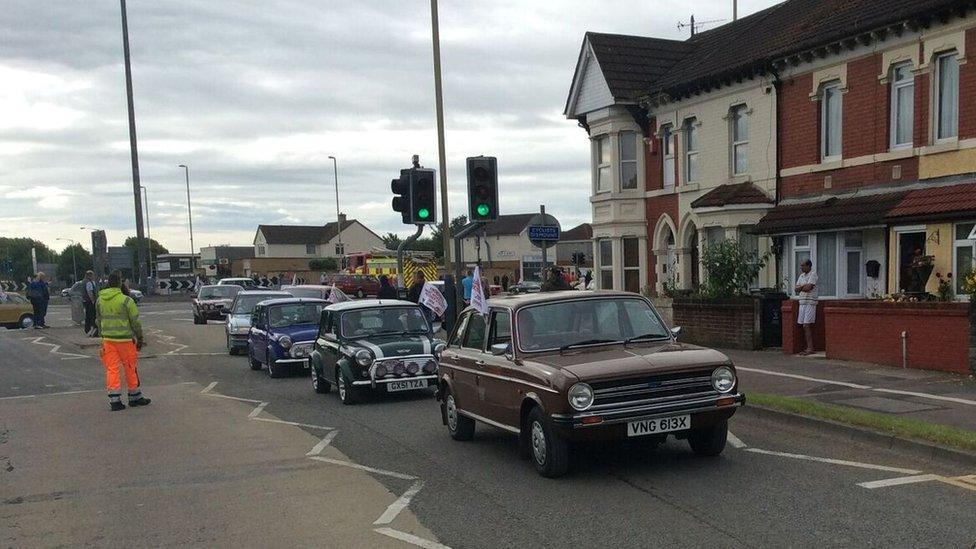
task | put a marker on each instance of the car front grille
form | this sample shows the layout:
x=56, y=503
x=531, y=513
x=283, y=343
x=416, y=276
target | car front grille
x=652, y=389
x=404, y=367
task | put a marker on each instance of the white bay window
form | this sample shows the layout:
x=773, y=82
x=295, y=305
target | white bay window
x=902, y=105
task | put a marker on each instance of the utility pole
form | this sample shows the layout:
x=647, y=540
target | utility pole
x=140, y=235
x=189, y=212
x=342, y=254
x=438, y=98
x=145, y=198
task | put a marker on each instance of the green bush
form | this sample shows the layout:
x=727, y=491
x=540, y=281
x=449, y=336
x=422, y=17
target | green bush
x=729, y=269
x=324, y=264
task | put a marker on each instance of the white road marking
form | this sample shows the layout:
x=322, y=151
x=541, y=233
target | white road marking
x=234, y=398
x=294, y=423
x=55, y=349
x=257, y=410
x=836, y=461
x=897, y=481
x=208, y=388
x=383, y=472
x=400, y=504
x=52, y=394
x=865, y=387
x=735, y=441
x=410, y=538
x=326, y=440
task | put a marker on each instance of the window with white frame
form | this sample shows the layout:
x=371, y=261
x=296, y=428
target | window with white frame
x=340, y=249
x=838, y=260
x=606, y=264
x=831, y=121
x=632, y=280
x=262, y=250
x=667, y=150
x=902, y=105
x=947, y=93
x=853, y=254
x=691, y=149
x=749, y=243
x=964, y=251
x=602, y=159
x=801, y=253
x=184, y=263
x=739, y=119
x=310, y=249
x=628, y=160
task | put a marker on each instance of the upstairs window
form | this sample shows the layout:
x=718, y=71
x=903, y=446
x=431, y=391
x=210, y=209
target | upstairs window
x=261, y=250
x=667, y=149
x=831, y=122
x=691, y=149
x=740, y=139
x=628, y=160
x=902, y=105
x=602, y=155
x=947, y=115
x=310, y=249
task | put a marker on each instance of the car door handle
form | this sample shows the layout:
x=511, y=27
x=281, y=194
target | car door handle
x=479, y=362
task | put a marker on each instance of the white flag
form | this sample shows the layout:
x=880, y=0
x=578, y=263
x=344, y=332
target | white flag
x=478, y=298
x=337, y=296
x=433, y=299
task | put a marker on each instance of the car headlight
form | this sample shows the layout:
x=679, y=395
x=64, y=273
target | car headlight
x=381, y=371
x=284, y=341
x=439, y=349
x=723, y=379
x=580, y=396
x=364, y=357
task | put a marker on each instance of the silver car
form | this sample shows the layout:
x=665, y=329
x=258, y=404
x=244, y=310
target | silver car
x=238, y=322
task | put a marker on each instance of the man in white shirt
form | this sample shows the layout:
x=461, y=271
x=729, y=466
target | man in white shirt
x=807, y=292
x=89, y=296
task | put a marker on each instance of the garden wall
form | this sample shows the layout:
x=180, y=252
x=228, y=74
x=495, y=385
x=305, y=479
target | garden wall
x=665, y=308
x=730, y=323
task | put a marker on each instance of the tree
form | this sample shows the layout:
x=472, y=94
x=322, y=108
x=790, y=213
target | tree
x=155, y=247
x=66, y=263
x=729, y=269
x=324, y=264
x=15, y=257
x=437, y=235
x=392, y=241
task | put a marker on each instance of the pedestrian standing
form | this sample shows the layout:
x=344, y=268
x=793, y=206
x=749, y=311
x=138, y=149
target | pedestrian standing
x=386, y=291
x=39, y=294
x=807, y=292
x=466, y=284
x=505, y=282
x=89, y=294
x=118, y=323
x=588, y=278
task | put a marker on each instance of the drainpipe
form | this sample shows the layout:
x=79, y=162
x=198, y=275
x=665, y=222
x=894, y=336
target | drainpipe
x=777, y=86
x=904, y=350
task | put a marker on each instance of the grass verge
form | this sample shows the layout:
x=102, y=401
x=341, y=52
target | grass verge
x=892, y=425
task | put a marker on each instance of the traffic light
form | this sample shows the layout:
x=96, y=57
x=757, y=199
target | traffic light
x=482, y=188
x=423, y=197
x=401, y=188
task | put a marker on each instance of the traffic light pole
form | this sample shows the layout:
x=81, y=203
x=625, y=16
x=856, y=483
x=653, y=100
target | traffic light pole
x=438, y=97
x=403, y=246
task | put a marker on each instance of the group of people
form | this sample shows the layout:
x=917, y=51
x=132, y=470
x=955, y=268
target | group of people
x=39, y=295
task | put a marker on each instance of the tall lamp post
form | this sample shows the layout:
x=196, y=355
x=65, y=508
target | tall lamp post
x=74, y=264
x=189, y=213
x=342, y=255
x=145, y=200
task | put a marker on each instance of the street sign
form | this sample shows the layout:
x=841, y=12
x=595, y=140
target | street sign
x=543, y=230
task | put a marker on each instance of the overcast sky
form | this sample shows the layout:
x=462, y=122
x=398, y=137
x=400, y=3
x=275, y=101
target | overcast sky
x=255, y=96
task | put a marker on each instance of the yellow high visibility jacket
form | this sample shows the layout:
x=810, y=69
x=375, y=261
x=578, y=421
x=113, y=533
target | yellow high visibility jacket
x=116, y=316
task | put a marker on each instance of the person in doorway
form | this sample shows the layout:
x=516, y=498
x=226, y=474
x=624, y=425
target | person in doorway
x=39, y=295
x=806, y=290
x=467, y=283
x=386, y=291
x=89, y=295
x=118, y=323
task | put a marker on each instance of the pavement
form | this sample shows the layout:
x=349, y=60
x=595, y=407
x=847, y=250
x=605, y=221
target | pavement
x=269, y=462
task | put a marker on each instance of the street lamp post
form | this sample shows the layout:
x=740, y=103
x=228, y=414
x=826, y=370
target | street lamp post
x=342, y=255
x=74, y=264
x=145, y=199
x=189, y=213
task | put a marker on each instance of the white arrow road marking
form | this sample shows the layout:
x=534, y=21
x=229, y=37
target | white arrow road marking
x=400, y=504
x=383, y=472
x=734, y=441
x=897, y=481
x=326, y=440
x=410, y=538
x=257, y=410
x=55, y=349
x=836, y=461
x=294, y=423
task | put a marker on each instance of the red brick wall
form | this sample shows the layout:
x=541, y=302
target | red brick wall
x=653, y=161
x=877, y=173
x=793, y=339
x=799, y=123
x=870, y=331
x=865, y=107
x=718, y=323
x=967, y=90
x=654, y=207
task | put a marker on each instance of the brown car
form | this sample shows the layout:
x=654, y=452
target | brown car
x=213, y=302
x=582, y=366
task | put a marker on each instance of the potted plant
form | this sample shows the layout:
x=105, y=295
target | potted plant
x=919, y=272
x=945, y=286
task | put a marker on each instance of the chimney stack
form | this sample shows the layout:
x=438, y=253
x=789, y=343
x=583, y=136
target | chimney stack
x=342, y=220
x=735, y=9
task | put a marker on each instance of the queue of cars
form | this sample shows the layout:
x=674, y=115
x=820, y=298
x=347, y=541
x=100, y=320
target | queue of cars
x=552, y=368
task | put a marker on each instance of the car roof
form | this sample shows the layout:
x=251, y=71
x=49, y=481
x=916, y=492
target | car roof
x=316, y=286
x=370, y=304
x=522, y=300
x=263, y=292
x=291, y=300
x=215, y=286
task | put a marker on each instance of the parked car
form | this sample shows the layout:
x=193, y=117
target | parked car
x=282, y=334
x=564, y=367
x=213, y=302
x=243, y=282
x=525, y=287
x=136, y=295
x=372, y=345
x=356, y=284
x=238, y=324
x=16, y=311
x=315, y=291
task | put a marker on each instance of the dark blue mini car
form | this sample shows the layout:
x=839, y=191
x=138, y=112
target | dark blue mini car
x=282, y=334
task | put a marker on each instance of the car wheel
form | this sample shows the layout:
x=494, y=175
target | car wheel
x=26, y=321
x=550, y=452
x=255, y=364
x=230, y=346
x=319, y=384
x=709, y=441
x=197, y=319
x=360, y=293
x=274, y=370
x=347, y=393
x=460, y=427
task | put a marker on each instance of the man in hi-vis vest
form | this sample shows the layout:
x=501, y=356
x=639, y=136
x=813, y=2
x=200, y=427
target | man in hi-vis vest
x=118, y=323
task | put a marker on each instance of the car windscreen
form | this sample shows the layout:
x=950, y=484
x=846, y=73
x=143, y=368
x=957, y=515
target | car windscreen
x=294, y=313
x=218, y=292
x=385, y=320
x=244, y=304
x=587, y=321
x=314, y=293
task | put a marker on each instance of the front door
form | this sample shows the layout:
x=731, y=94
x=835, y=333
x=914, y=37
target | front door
x=910, y=245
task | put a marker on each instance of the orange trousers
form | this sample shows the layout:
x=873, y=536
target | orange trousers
x=124, y=354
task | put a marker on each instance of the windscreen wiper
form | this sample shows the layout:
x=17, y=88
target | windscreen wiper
x=586, y=342
x=653, y=335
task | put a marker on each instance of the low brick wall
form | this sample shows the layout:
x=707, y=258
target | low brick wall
x=732, y=323
x=665, y=308
x=793, y=339
x=938, y=334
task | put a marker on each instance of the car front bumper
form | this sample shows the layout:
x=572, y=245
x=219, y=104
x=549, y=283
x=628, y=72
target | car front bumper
x=704, y=411
x=238, y=341
x=374, y=383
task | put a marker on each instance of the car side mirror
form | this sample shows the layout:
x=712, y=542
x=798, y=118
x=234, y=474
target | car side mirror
x=675, y=332
x=500, y=349
x=436, y=327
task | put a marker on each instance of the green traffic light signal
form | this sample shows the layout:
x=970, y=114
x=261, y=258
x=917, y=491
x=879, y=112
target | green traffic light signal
x=423, y=213
x=483, y=210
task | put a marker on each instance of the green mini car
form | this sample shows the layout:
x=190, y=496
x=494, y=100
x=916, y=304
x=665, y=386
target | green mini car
x=373, y=345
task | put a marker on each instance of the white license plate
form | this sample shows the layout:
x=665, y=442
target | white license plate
x=406, y=385
x=658, y=425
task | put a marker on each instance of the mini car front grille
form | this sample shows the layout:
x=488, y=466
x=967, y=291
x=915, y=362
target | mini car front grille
x=650, y=389
x=404, y=367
